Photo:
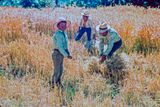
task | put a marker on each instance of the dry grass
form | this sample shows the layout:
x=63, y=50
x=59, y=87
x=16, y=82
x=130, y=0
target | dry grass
x=25, y=49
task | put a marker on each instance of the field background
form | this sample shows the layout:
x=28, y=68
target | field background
x=26, y=64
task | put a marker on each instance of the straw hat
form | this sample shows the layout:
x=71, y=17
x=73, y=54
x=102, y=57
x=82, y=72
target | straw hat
x=103, y=27
x=85, y=13
x=62, y=19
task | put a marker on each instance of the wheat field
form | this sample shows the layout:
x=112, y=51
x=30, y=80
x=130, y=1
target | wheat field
x=26, y=65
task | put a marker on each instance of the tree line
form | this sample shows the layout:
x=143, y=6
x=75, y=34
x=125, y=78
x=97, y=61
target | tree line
x=80, y=3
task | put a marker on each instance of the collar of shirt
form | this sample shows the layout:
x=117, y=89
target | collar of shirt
x=60, y=30
x=63, y=33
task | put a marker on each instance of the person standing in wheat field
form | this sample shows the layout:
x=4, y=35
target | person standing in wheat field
x=60, y=50
x=86, y=26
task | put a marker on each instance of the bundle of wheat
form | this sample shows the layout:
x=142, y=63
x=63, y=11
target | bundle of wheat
x=113, y=69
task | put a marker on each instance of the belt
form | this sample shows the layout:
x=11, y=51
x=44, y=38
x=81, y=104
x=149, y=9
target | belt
x=56, y=50
x=60, y=52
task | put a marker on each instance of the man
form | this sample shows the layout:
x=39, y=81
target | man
x=60, y=50
x=86, y=26
x=109, y=36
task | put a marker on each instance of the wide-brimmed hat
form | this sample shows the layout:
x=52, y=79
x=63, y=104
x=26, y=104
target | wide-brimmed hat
x=85, y=13
x=103, y=27
x=62, y=19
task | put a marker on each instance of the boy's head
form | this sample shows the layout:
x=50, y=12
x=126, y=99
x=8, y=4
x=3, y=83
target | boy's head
x=62, y=23
x=85, y=15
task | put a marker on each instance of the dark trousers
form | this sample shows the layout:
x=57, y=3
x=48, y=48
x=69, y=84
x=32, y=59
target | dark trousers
x=81, y=31
x=116, y=46
x=58, y=68
x=88, y=43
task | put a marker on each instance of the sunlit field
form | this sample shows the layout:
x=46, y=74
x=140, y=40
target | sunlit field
x=132, y=79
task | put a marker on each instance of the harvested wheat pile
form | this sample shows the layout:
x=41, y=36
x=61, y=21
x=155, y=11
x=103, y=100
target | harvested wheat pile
x=114, y=69
x=92, y=66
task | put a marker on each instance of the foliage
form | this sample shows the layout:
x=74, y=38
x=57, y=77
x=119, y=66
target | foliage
x=80, y=3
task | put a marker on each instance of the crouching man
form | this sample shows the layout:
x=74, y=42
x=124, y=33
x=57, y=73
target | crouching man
x=109, y=36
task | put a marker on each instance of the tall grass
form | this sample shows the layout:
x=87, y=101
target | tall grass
x=25, y=48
